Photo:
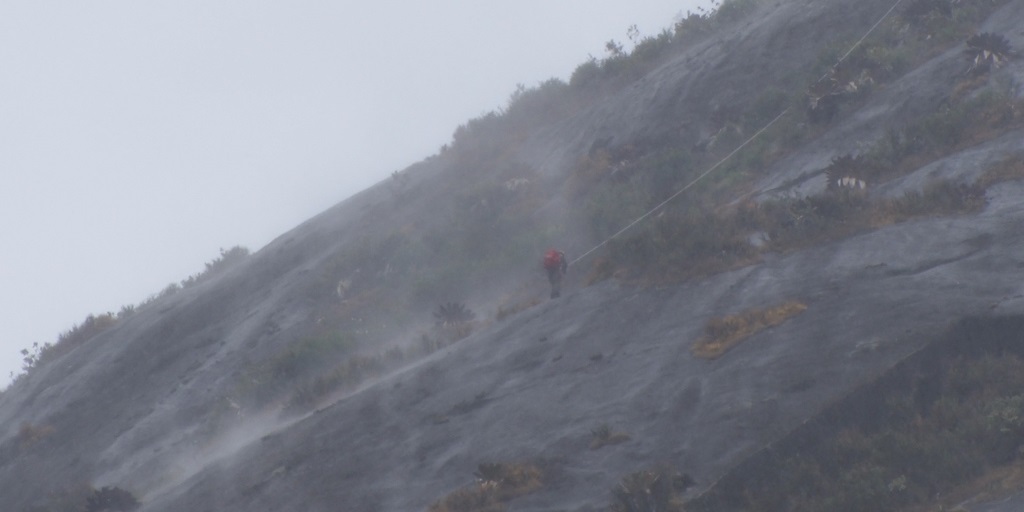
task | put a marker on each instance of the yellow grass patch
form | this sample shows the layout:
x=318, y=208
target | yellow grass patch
x=30, y=434
x=722, y=334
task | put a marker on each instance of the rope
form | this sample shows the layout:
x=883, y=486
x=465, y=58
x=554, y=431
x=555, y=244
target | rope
x=741, y=146
x=870, y=30
x=684, y=189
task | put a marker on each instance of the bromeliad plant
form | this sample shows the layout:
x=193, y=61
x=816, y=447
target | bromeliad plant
x=848, y=172
x=987, y=51
x=452, y=314
x=841, y=81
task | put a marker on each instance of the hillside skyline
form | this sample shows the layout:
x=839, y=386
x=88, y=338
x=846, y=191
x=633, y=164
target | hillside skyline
x=149, y=138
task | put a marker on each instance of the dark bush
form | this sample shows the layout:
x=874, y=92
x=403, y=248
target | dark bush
x=111, y=499
x=453, y=313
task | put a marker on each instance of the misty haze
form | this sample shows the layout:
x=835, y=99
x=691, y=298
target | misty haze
x=790, y=279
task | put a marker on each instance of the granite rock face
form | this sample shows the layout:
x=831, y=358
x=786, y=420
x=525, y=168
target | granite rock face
x=128, y=407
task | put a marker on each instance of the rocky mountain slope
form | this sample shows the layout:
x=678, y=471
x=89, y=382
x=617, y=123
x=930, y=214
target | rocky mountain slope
x=311, y=376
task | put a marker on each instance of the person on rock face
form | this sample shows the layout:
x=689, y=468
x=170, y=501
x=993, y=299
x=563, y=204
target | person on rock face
x=556, y=265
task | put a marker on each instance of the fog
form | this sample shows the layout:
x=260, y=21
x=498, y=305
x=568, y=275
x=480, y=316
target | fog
x=140, y=138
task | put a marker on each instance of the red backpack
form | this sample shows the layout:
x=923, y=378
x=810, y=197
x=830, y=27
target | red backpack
x=552, y=259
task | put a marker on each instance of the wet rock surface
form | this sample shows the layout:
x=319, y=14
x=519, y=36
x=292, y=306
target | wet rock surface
x=129, y=409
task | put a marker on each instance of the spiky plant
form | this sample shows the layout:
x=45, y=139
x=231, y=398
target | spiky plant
x=453, y=314
x=847, y=172
x=987, y=51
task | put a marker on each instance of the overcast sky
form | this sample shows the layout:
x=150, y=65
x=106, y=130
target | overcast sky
x=137, y=138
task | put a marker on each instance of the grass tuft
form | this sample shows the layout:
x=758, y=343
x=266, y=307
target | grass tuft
x=497, y=484
x=722, y=334
x=604, y=436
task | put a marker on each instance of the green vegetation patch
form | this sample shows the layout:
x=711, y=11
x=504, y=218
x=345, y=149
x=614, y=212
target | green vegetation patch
x=299, y=362
x=497, y=484
x=695, y=239
x=943, y=419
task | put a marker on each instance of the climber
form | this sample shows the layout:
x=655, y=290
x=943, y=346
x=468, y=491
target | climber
x=556, y=265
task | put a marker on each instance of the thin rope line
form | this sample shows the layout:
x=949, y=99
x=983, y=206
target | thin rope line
x=870, y=30
x=741, y=146
x=684, y=189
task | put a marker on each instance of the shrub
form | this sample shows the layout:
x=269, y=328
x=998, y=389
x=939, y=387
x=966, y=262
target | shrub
x=301, y=362
x=111, y=499
x=703, y=21
x=227, y=259
x=309, y=354
x=846, y=80
x=650, y=48
x=398, y=185
x=946, y=130
x=733, y=10
x=453, y=314
x=126, y=311
x=346, y=375
x=586, y=74
x=168, y=291
x=497, y=484
x=530, y=106
x=67, y=340
x=823, y=102
x=678, y=245
x=90, y=327
x=692, y=24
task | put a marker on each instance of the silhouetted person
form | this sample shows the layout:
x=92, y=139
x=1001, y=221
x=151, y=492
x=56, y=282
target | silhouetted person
x=556, y=265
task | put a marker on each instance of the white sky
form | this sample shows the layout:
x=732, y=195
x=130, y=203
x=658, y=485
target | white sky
x=137, y=138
